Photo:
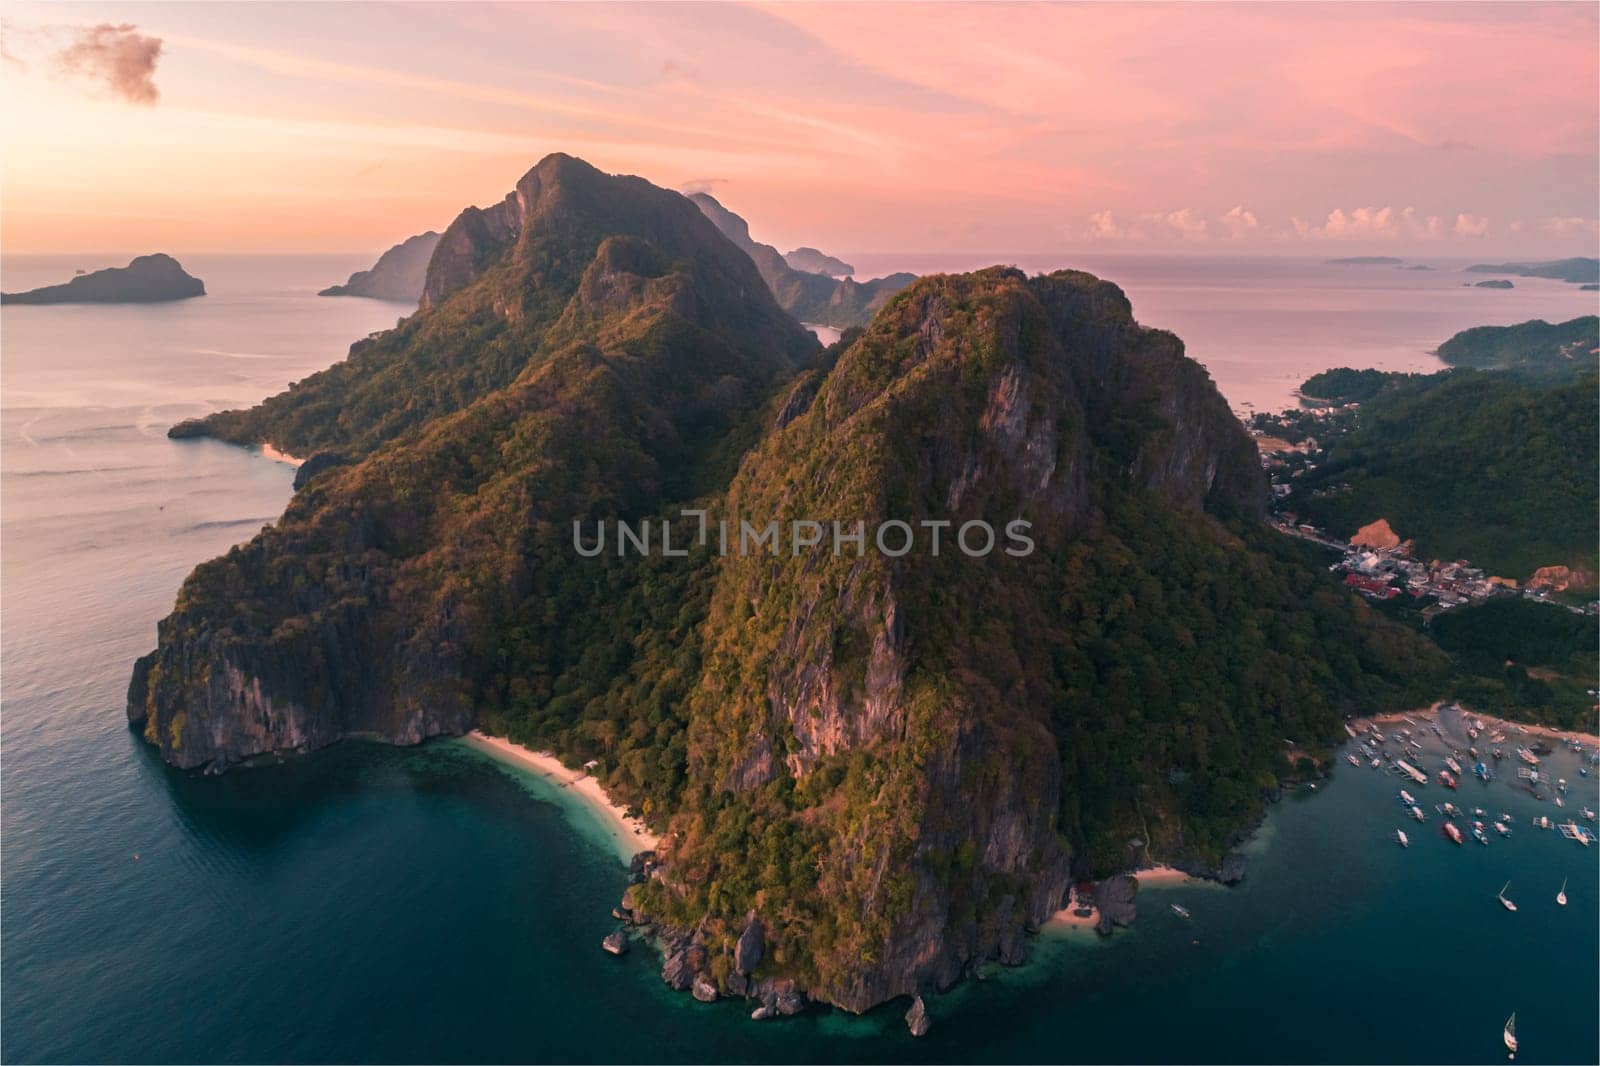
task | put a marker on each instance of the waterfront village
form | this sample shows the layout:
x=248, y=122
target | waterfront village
x=1375, y=561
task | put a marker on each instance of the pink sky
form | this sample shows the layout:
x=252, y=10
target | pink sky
x=986, y=128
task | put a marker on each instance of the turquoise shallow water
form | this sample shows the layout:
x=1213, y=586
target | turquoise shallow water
x=373, y=904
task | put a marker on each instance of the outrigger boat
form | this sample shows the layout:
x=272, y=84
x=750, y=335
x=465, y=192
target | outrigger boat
x=1454, y=766
x=1416, y=812
x=1407, y=798
x=1510, y=1036
x=1501, y=895
x=1500, y=827
x=1352, y=760
x=1446, y=780
x=1179, y=910
x=1452, y=832
x=1400, y=835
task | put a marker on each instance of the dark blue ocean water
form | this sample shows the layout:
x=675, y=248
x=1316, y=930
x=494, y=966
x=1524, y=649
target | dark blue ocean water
x=426, y=905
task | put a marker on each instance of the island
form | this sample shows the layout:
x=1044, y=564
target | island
x=398, y=275
x=1533, y=349
x=870, y=770
x=811, y=261
x=1366, y=260
x=1497, y=283
x=147, y=279
x=1580, y=269
x=808, y=297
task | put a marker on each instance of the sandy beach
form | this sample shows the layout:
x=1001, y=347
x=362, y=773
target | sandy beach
x=1155, y=875
x=632, y=833
x=280, y=457
x=1590, y=741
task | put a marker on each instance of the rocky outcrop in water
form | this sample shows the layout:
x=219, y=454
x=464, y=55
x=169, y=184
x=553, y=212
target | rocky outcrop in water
x=399, y=274
x=147, y=279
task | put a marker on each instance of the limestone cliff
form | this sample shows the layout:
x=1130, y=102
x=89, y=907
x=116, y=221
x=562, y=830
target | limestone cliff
x=399, y=274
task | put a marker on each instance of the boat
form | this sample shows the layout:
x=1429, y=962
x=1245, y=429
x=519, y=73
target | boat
x=1446, y=780
x=1560, y=802
x=1412, y=772
x=1479, y=835
x=1482, y=771
x=1408, y=799
x=1500, y=827
x=1400, y=835
x=1506, y=818
x=1501, y=895
x=1497, y=738
x=1583, y=771
x=1587, y=813
x=1510, y=1036
x=1573, y=831
x=1179, y=910
x=1352, y=760
x=1347, y=729
x=1561, y=897
x=1542, y=822
x=1527, y=756
x=1498, y=754
x=1479, y=812
x=1451, y=810
x=1454, y=766
x=1561, y=784
x=1375, y=764
x=1416, y=812
x=1452, y=832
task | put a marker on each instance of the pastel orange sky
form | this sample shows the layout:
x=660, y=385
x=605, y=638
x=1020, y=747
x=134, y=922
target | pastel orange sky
x=320, y=127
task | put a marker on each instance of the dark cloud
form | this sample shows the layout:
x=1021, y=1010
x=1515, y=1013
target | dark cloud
x=118, y=55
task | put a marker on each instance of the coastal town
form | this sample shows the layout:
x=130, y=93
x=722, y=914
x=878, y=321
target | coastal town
x=1375, y=561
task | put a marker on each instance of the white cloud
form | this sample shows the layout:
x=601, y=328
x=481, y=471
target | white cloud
x=1570, y=226
x=1471, y=226
x=1240, y=223
x=1188, y=224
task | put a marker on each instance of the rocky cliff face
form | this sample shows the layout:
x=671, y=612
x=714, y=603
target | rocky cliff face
x=374, y=605
x=923, y=762
x=398, y=275
x=147, y=279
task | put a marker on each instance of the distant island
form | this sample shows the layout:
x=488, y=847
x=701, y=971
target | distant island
x=397, y=275
x=1496, y=283
x=807, y=296
x=1578, y=270
x=1533, y=348
x=1366, y=260
x=147, y=279
x=812, y=261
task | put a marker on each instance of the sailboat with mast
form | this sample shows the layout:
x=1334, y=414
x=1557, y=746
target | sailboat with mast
x=1510, y=1036
x=1506, y=903
x=1561, y=897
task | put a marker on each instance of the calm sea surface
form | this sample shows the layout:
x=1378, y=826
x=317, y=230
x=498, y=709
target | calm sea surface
x=429, y=905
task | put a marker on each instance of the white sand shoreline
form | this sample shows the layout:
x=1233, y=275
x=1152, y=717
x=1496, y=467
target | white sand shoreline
x=1590, y=741
x=631, y=833
x=269, y=452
